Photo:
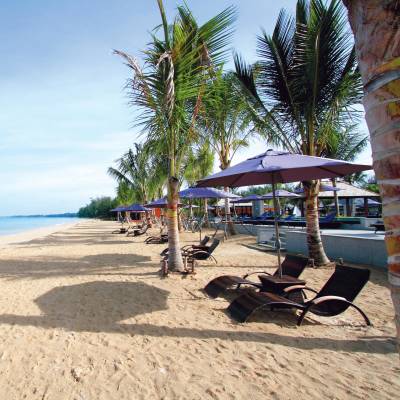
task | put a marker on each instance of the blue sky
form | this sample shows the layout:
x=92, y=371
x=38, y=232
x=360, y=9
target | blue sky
x=64, y=117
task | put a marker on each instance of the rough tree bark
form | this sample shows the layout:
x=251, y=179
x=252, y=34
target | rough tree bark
x=376, y=27
x=175, y=262
x=206, y=220
x=336, y=198
x=315, y=248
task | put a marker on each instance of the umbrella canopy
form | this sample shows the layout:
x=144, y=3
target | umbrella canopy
x=281, y=193
x=191, y=206
x=119, y=209
x=322, y=188
x=280, y=166
x=250, y=197
x=137, y=208
x=159, y=203
x=206, y=193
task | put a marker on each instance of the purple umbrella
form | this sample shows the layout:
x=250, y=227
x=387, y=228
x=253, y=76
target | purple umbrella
x=206, y=193
x=119, y=209
x=137, y=208
x=281, y=193
x=250, y=197
x=280, y=167
x=159, y=203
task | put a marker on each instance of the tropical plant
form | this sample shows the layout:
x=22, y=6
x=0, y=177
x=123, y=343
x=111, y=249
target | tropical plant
x=375, y=24
x=371, y=184
x=125, y=193
x=169, y=91
x=98, y=208
x=224, y=122
x=303, y=88
x=135, y=173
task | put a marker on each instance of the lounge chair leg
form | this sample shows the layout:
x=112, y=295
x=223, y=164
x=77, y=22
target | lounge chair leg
x=301, y=317
x=304, y=312
x=366, y=319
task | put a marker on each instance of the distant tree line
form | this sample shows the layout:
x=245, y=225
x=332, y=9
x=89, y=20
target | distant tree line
x=98, y=208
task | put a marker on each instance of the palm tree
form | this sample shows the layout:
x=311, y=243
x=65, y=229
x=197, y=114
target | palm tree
x=170, y=89
x=135, y=171
x=304, y=85
x=125, y=193
x=375, y=24
x=225, y=122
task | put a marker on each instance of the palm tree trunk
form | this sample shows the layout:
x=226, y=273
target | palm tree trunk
x=175, y=262
x=315, y=248
x=336, y=198
x=375, y=24
x=228, y=216
x=206, y=221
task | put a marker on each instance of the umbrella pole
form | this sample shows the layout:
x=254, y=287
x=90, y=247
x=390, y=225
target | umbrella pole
x=277, y=238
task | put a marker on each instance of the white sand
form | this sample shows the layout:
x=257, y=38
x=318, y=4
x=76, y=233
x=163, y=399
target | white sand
x=85, y=315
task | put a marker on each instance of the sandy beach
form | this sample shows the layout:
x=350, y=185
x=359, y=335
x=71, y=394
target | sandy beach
x=84, y=314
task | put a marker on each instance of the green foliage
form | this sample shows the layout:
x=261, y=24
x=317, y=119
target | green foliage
x=139, y=174
x=302, y=90
x=98, y=208
x=198, y=163
x=363, y=180
x=224, y=120
x=169, y=90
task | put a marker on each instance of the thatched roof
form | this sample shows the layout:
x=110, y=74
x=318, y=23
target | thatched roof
x=348, y=190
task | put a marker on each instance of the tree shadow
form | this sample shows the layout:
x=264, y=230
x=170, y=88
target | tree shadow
x=99, y=264
x=103, y=306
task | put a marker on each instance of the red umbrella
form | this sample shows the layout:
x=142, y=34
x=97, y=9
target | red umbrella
x=280, y=167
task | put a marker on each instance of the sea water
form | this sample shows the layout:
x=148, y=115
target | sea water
x=13, y=225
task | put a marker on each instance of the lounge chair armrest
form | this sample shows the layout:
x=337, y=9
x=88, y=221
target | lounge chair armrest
x=257, y=272
x=197, y=252
x=319, y=300
x=299, y=287
x=164, y=252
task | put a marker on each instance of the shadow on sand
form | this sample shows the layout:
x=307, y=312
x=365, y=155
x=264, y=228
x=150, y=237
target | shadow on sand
x=53, y=266
x=101, y=306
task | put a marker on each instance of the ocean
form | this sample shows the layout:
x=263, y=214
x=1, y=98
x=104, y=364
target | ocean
x=12, y=225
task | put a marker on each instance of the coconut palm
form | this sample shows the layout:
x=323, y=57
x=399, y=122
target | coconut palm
x=305, y=83
x=169, y=91
x=375, y=24
x=225, y=122
x=135, y=171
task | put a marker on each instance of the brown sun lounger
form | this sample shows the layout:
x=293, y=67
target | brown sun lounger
x=293, y=265
x=141, y=231
x=201, y=246
x=335, y=297
x=157, y=239
x=205, y=253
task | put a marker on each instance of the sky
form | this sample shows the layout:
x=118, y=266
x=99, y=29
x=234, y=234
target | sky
x=64, y=117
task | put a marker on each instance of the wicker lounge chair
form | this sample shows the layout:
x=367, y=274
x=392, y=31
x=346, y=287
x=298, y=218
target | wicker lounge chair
x=141, y=231
x=192, y=255
x=335, y=297
x=201, y=246
x=292, y=265
x=157, y=239
x=121, y=231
